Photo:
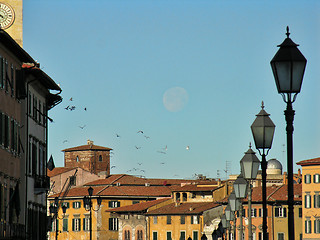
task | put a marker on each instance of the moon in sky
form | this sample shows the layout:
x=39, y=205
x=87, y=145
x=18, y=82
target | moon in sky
x=174, y=99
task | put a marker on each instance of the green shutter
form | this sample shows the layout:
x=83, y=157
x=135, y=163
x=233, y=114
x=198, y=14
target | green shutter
x=73, y=224
x=65, y=224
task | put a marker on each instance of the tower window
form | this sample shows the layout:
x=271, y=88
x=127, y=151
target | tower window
x=100, y=158
x=77, y=159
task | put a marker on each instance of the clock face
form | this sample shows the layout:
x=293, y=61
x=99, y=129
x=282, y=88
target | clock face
x=6, y=16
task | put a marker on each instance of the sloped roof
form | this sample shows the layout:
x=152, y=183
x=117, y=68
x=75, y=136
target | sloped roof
x=187, y=208
x=125, y=179
x=314, y=161
x=193, y=188
x=120, y=191
x=139, y=207
x=58, y=170
x=87, y=147
x=274, y=193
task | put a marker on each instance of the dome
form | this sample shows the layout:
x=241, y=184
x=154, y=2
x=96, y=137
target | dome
x=274, y=166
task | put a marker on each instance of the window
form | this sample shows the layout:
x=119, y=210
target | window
x=1, y=128
x=77, y=159
x=76, y=205
x=40, y=113
x=126, y=235
x=182, y=235
x=76, y=226
x=253, y=212
x=195, y=235
x=169, y=236
x=280, y=212
x=55, y=223
x=307, y=200
x=100, y=158
x=194, y=219
x=1, y=72
x=86, y=223
x=135, y=201
x=316, y=200
x=6, y=131
x=168, y=219
x=307, y=178
x=66, y=204
x=73, y=180
x=65, y=225
x=126, y=216
x=5, y=75
x=154, y=235
x=139, y=235
x=155, y=220
x=300, y=212
x=184, y=197
x=182, y=220
x=317, y=225
x=280, y=236
x=178, y=197
x=114, y=204
x=316, y=178
x=307, y=225
x=113, y=224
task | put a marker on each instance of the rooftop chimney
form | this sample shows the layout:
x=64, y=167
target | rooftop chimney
x=89, y=142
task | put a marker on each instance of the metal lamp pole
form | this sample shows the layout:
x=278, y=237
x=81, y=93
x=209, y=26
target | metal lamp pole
x=288, y=66
x=263, y=130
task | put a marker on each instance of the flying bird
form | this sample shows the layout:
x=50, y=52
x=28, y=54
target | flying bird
x=113, y=167
x=140, y=132
x=139, y=164
x=188, y=148
x=146, y=137
x=162, y=152
x=82, y=127
x=117, y=135
x=65, y=141
x=71, y=99
x=162, y=163
x=67, y=108
x=85, y=109
x=137, y=147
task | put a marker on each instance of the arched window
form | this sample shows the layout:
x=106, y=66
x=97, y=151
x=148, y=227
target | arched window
x=126, y=235
x=139, y=235
x=77, y=159
x=100, y=158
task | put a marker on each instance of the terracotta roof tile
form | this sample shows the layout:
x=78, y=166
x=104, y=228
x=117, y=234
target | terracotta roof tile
x=314, y=161
x=57, y=171
x=120, y=191
x=139, y=207
x=188, y=208
x=193, y=188
x=86, y=147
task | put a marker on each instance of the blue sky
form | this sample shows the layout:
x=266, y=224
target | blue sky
x=118, y=59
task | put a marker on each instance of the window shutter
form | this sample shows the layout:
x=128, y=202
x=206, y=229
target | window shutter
x=191, y=219
x=73, y=224
x=110, y=223
x=284, y=212
x=57, y=224
x=79, y=204
x=276, y=212
x=314, y=201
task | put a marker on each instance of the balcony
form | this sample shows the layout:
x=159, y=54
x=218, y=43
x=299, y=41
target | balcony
x=11, y=230
x=41, y=184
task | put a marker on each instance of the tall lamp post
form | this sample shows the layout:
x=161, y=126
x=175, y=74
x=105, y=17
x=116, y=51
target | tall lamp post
x=54, y=209
x=240, y=189
x=288, y=66
x=230, y=217
x=249, y=168
x=234, y=206
x=87, y=201
x=263, y=130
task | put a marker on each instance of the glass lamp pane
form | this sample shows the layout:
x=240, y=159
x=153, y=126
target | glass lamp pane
x=297, y=75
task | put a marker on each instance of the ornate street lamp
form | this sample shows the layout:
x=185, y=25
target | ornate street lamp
x=263, y=130
x=250, y=166
x=54, y=209
x=240, y=187
x=87, y=202
x=234, y=202
x=288, y=66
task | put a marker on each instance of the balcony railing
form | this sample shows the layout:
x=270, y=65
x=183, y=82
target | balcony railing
x=41, y=184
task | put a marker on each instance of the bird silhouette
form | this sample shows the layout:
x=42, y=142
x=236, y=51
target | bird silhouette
x=117, y=135
x=82, y=127
x=113, y=167
x=85, y=109
x=137, y=147
x=71, y=99
x=146, y=137
x=67, y=108
x=188, y=148
x=65, y=141
x=139, y=164
x=162, y=152
x=140, y=131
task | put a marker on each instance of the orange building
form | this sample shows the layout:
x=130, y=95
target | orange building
x=311, y=198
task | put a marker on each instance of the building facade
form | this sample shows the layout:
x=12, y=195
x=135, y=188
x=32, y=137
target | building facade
x=311, y=198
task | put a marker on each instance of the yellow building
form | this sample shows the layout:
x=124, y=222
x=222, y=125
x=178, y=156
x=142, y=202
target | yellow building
x=277, y=213
x=311, y=198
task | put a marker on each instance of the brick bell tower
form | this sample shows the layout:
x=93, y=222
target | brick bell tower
x=90, y=157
